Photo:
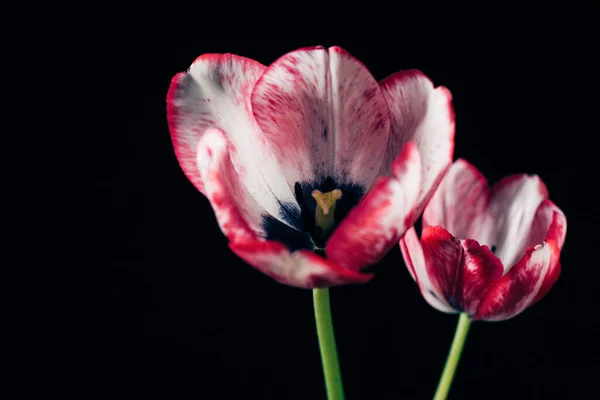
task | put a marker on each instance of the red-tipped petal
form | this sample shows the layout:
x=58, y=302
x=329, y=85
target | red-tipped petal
x=237, y=212
x=480, y=269
x=376, y=224
x=412, y=252
x=454, y=274
x=551, y=277
x=215, y=93
x=513, y=205
x=323, y=114
x=549, y=223
x=423, y=114
x=522, y=285
x=185, y=132
x=550, y=216
x=303, y=269
x=460, y=204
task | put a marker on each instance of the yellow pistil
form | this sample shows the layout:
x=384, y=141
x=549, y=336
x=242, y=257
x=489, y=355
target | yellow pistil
x=324, y=213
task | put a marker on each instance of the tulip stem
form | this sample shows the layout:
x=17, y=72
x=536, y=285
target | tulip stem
x=329, y=357
x=453, y=357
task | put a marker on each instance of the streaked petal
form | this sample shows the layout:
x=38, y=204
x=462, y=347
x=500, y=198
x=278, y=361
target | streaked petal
x=513, y=205
x=455, y=273
x=303, y=268
x=423, y=114
x=480, y=269
x=376, y=224
x=215, y=93
x=412, y=252
x=185, y=128
x=237, y=212
x=324, y=115
x=290, y=104
x=520, y=287
x=549, y=223
x=443, y=260
x=460, y=204
x=361, y=119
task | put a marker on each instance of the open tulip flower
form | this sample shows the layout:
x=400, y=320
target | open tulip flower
x=314, y=169
x=487, y=253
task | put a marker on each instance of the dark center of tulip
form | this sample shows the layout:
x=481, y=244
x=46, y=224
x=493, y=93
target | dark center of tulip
x=322, y=208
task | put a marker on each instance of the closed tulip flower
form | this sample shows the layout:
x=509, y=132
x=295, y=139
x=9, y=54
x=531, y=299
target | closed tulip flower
x=487, y=253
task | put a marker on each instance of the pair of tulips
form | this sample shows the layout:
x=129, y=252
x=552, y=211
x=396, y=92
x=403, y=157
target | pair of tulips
x=315, y=171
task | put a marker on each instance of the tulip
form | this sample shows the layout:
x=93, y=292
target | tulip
x=486, y=253
x=314, y=169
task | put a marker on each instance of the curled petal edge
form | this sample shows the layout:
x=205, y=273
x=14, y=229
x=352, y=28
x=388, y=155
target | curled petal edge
x=302, y=268
x=376, y=224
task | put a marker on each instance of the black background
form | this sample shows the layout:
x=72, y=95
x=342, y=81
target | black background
x=185, y=318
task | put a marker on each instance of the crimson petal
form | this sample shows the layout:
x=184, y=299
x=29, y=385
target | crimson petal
x=455, y=272
x=520, y=287
x=480, y=269
x=303, y=268
x=414, y=257
x=376, y=224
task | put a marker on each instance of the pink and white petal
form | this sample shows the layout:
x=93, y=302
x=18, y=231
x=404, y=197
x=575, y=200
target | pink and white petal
x=551, y=276
x=360, y=118
x=513, y=205
x=184, y=129
x=324, y=115
x=291, y=105
x=520, y=287
x=215, y=93
x=460, y=204
x=549, y=223
x=480, y=269
x=425, y=115
x=236, y=210
x=303, y=268
x=376, y=224
x=412, y=252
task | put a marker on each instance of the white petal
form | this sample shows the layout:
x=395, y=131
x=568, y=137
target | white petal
x=460, y=205
x=423, y=114
x=513, y=205
x=215, y=93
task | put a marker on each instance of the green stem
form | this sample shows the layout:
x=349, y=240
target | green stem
x=331, y=366
x=453, y=357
